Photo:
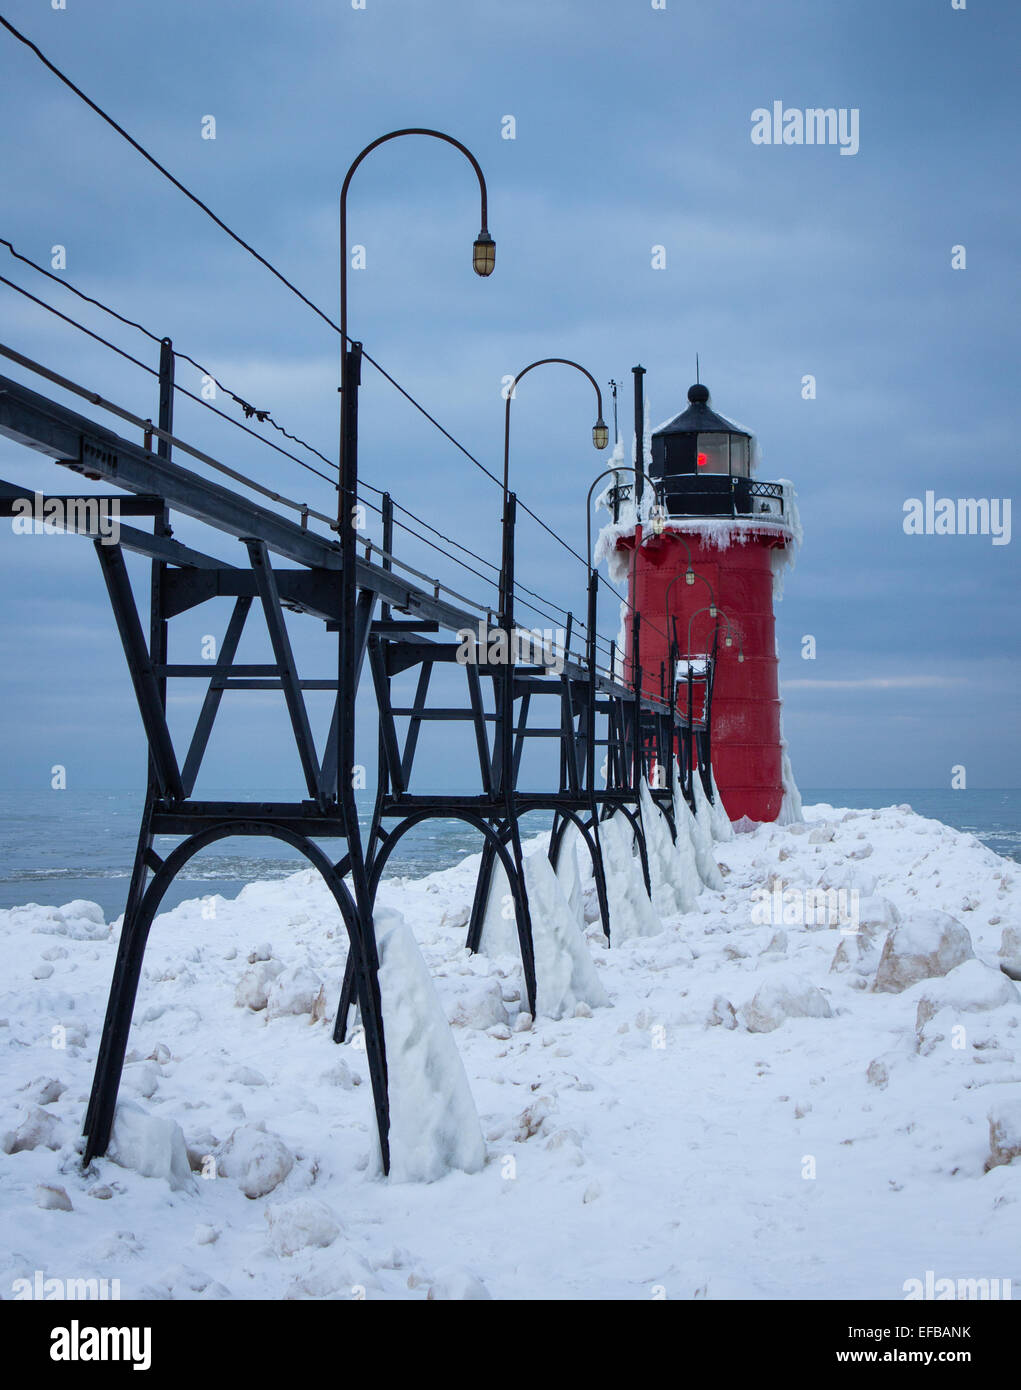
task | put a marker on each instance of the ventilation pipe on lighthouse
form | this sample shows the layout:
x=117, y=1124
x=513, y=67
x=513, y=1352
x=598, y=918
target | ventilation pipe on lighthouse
x=639, y=374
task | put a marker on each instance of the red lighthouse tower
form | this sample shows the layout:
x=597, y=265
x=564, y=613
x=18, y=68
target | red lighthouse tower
x=706, y=545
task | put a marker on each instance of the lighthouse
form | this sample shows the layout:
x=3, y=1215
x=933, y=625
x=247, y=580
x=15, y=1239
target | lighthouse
x=703, y=544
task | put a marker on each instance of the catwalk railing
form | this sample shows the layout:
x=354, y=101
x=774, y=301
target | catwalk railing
x=611, y=735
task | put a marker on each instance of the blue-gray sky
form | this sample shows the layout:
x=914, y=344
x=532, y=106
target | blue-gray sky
x=633, y=130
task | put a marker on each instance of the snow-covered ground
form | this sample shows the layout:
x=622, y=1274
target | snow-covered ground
x=741, y=1120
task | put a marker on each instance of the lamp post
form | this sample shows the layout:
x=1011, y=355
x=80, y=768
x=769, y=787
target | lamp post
x=600, y=438
x=714, y=611
x=483, y=263
x=593, y=591
x=343, y=731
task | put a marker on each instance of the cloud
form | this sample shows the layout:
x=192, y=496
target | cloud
x=878, y=683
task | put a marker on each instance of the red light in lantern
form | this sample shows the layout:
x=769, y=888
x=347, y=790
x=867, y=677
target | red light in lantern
x=703, y=459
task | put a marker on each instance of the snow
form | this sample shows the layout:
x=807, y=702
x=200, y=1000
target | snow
x=434, y=1127
x=151, y=1145
x=675, y=884
x=653, y=1142
x=631, y=912
x=702, y=837
x=564, y=972
x=718, y=818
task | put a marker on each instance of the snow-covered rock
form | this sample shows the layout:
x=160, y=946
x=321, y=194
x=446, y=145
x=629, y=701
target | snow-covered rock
x=299, y=1225
x=36, y=1129
x=1004, y=1133
x=458, y=1284
x=970, y=987
x=1010, y=952
x=52, y=1198
x=151, y=1145
x=255, y=1159
x=788, y=996
x=927, y=944
x=253, y=988
x=297, y=991
x=479, y=1004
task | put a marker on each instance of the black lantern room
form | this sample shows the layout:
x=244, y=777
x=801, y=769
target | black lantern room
x=702, y=463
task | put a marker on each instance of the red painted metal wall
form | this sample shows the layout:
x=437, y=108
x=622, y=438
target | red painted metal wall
x=746, y=752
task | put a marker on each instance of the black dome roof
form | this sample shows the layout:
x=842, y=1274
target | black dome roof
x=699, y=418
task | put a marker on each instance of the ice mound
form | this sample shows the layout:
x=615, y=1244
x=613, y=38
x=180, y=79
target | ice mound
x=150, y=1145
x=434, y=1127
x=564, y=972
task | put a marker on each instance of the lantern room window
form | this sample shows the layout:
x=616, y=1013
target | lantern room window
x=712, y=453
x=739, y=461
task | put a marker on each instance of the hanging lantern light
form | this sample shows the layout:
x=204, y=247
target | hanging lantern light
x=484, y=254
x=689, y=575
x=600, y=434
x=712, y=613
x=729, y=642
x=657, y=519
x=740, y=654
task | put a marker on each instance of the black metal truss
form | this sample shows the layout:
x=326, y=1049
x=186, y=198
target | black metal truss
x=593, y=716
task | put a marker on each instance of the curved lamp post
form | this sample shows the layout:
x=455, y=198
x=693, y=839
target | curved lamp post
x=714, y=611
x=600, y=438
x=337, y=782
x=483, y=262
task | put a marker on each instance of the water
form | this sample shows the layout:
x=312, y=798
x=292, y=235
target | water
x=56, y=846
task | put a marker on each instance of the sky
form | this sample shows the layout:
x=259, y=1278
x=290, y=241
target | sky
x=632, y=131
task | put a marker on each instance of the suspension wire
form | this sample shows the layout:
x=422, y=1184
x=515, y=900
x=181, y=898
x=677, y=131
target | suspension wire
x=151, y=372
x=151, y=159
x=263, y=416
